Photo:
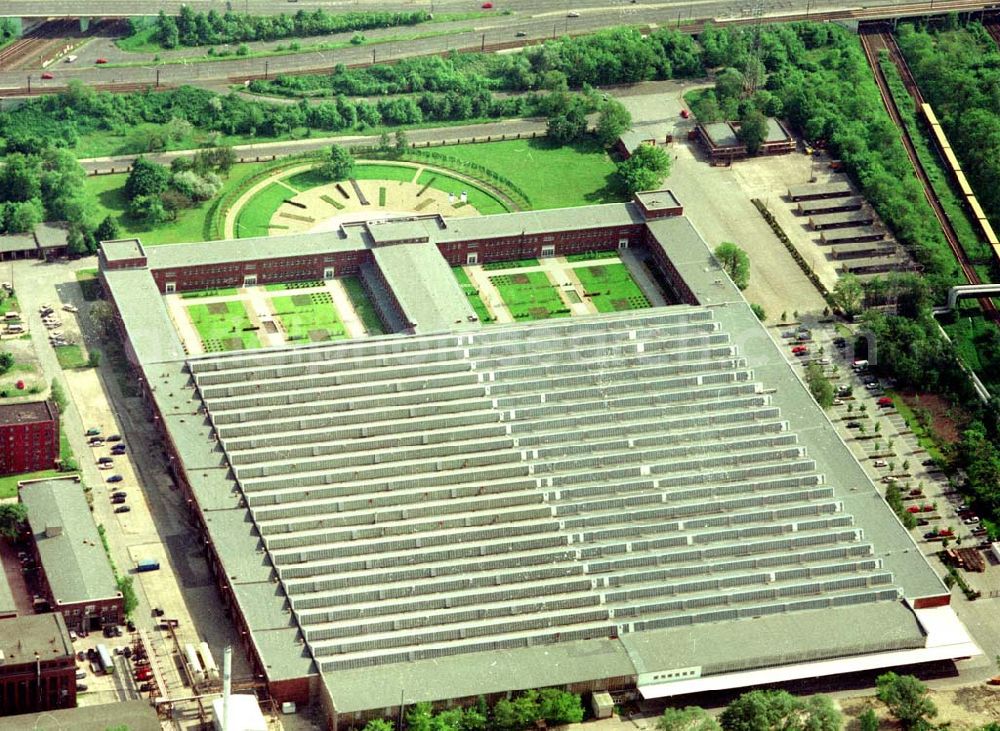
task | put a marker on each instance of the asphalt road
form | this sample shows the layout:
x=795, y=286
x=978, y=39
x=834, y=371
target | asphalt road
x=537, y=19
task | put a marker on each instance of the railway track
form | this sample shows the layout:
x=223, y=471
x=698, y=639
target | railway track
x=113, y=88
x=873, y=42
x=994, y=30
x=36, y=43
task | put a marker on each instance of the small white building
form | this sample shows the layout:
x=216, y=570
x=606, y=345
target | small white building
x=995, y=547
x=245, y=712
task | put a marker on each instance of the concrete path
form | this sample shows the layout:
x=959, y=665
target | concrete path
x=345, y=308
x=489, y=294
x=186, y=330
x=260, y=311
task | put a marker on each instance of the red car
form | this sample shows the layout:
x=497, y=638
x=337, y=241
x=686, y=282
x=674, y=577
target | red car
x=800, y=350
x=885, y=401
x=101, y=60
x=48, y=75
x=487, y=6
x=913, y=509
x=685, y=113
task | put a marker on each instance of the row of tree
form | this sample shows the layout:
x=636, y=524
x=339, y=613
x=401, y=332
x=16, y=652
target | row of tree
x=47, y=185
x=959, y=72
x=62, y=118
x=614, y=56
x=197, y=28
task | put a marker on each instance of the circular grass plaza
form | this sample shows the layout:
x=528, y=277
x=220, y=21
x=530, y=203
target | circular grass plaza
x=299, y=200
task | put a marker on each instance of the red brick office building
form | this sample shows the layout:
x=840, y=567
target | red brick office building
x=38, y=672
x=29, y=437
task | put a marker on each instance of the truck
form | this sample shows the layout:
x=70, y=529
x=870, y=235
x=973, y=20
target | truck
x=104, y=658
x=147, y=564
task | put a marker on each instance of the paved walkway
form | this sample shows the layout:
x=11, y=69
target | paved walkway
x=642, y=277
x=260, y=310
x=489, y=294
x=345, y=309
x=186, y=331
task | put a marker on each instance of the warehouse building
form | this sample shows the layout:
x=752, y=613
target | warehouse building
x=78, y=579
x=646, y=499
x=138, y=716
x=37, y=665
x=29, y=437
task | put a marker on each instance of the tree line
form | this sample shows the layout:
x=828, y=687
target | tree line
x=198, y=28
x=614, y=56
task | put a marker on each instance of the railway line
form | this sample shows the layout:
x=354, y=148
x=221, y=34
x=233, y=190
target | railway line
x=874, y=41
x=37, y=42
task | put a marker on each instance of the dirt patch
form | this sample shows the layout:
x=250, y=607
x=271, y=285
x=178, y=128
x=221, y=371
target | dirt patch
x=538, y=312
x=519, y=279
x=233, y=344
x=960, y=709
x=620, y=304
x=317, y=336
x=301, y=300
x=218, y=308
x=947, y=421
x=597, y=271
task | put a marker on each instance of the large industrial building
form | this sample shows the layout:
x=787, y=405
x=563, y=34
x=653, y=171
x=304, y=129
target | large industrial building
x=77, y=578
x=37, y=665
x=646, y=499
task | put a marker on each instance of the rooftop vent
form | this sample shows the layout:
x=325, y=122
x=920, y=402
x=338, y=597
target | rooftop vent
x=52, y=531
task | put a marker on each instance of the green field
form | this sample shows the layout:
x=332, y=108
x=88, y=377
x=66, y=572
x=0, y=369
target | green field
x=473, y=294
x=611, y=287
x=479, y=199
x=8, y=484
x=551, y=177
x=255, y=220
x=70, y=356
x=223, y=326
x=530, y=296
x=363, y=306
x=309, y=318
x=107, y=194
x=306, y=180
x=588, y=255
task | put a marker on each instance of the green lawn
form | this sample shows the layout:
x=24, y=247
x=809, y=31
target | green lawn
x=255, y=219
x=588, y=255
x=309, y=318
x=223, y=326
x=107, y=193
x=473, y=294
x=552, y=177
x=70, y=356
x=530, y=296
x=306, y=180
x=8, y=484
x=363, y=305
x=479, y=199
x=611, y=287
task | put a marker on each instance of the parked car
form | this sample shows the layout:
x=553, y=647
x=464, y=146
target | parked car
x=123, y=509
x=971, y=521
x=92, y=432
x=853, y=424
x=81, y=687
x=119, y=493
x=685, y=114
x=105, y=466
x=118, y=449
x=928, y=463
x=881, y=463
x=884, y=401
x=520, y=34
x=838, y=402
x=70, y=308
x=105, y=460
x=800, y=350
x=81, y=674
x=117, y=500
x=572, y=14
x=113, y=438
x=930, y=535
x=487, y=5
x=48, y=75
x=101, y=60
x=115, y=478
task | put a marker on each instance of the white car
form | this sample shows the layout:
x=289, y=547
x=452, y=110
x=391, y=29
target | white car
x=70, y=308
x=838, y=402
x=881, y=463
x=106, y=466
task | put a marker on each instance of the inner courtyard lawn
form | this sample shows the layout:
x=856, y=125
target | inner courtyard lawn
x=309, y=318
x=611, y=287
x=530, y=296
x=223, y=326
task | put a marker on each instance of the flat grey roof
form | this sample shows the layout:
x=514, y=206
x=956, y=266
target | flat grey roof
x=841, y=216
x=397, y=230
x=28, y=413
x=10, y=243
x=143, y=310
x=841, y=234
x=425, y=287
x=22, y=637
x=658, y=199
x=7, y=603
x=656, y=133
x=122, y=249
x=51, y=234
x=74, y=561
x=721, y=134
x=775, y=131
x=837, y=188
x=140, y=716
x=176, y=256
